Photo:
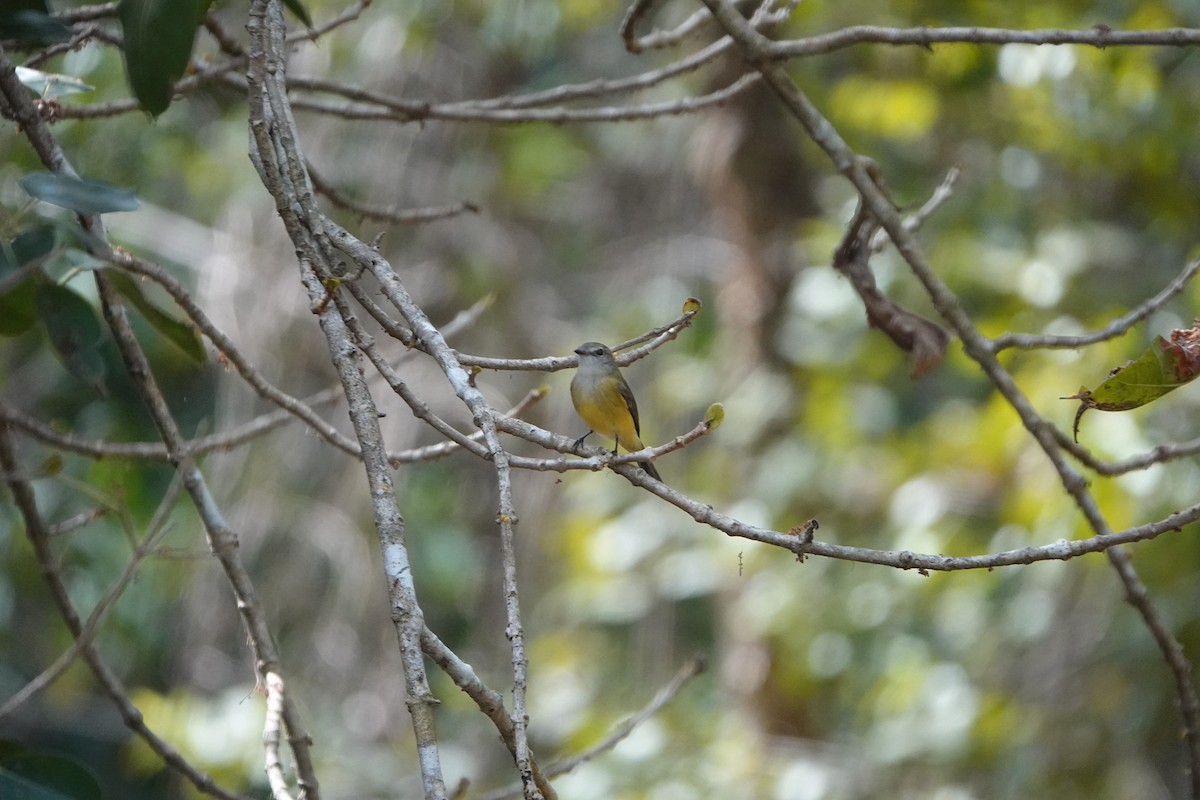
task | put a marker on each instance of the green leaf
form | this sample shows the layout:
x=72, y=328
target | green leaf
x=75, y=332
x=297, y=8
x=51, y=84
x=181, y=334
x=17, y=6
x=28, y=246
x=27, y=774
x=158, y=45
x=714, y=416
x=29, y=21
x=83, y=195
x=18, y=309
x=1163, y=367
x=15, y=787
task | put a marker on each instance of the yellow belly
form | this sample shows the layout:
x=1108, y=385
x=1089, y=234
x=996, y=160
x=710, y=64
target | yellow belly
x=605, y=412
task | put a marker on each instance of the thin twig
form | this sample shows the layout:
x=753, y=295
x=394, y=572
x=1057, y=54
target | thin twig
x=411, y=216
x=489, y=701
x=656, y=337
x=91, y=627
x=1117, y=327
x=110, y=684
x=915, y=220
x=682, y=678
x=1159, y=455
x=415, y=111
x=1172, y=652
x=230, y=351
x=1096, y=36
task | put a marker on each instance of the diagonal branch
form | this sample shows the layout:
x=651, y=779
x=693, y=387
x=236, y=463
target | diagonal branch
x=91, y=627
x=1117, y=327
x=282, y=169
x=222, y=540
x=1172, y=651
x=682, y=678
x=110, y=684
x=759, y=53
x=1096, y=36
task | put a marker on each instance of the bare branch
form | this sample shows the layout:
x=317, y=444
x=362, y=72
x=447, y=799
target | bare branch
x=1172, y=651
x=924, y=340
x=489, y=701
x=683, y=677
x=282, y=170
x=272, y=733
x=1096, y=36
x=1112, y=330
x=415, y=111
x=230, y=351
x=656, y=336
x=1159, y=455
x=409, y=217
x=914, y=221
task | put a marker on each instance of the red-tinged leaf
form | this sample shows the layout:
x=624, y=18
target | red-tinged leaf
x=1164, y=366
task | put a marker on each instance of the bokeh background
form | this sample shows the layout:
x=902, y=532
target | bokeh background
x=1077, y=200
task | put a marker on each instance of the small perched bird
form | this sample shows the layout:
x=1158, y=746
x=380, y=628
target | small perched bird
x=605, y=402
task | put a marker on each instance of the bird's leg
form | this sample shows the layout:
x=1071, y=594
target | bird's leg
x=579, y=441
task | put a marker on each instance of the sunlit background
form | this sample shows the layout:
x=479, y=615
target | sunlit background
x=826, y=679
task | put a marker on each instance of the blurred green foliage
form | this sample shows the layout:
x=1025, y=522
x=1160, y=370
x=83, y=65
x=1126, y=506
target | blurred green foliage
x=826, y=679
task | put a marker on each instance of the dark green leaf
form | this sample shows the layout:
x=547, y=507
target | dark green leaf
x=32, y=25
x=15, y=787
x=30, y=775
x=27, y=774
x=297, y=8
x=18, y=309
x=74, y=330
x=17, y=6
x=158, y=44
x=27, y=247
x=83, y=195
x=181, y=334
